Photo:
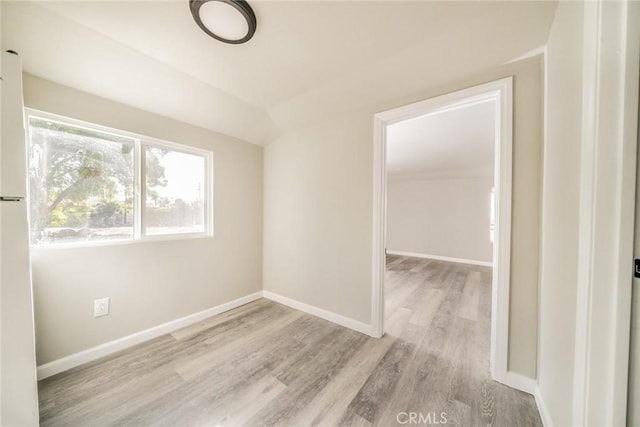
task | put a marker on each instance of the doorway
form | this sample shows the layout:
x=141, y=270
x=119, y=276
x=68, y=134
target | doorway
x=500, y=92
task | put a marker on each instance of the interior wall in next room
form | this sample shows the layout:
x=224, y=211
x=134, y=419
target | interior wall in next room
x=442, y=217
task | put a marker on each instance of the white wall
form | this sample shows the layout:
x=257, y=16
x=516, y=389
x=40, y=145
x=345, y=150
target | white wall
x=559, y=246
x=318, y=208
x=317, y=216
x=443, y=217
x=153, y=282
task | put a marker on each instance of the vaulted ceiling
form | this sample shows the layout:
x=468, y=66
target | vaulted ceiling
x=306, y=59
x=453, y=143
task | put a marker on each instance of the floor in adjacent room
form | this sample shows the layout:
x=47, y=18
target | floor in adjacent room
x=267, y=364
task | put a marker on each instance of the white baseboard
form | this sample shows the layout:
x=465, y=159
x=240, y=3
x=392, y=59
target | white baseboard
x=321, y=313
x=442, y=258
x=542, y=409
x=91, y=354
x=77, y=359
x=520, y=382
x=530, y=386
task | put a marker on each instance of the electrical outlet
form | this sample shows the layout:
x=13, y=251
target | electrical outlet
x=101, y=307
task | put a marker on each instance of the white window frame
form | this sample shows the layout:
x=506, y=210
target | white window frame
x=139, y=181
x=208, y=190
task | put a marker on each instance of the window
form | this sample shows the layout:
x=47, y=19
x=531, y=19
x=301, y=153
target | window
x=87, y=183
x=174, y=189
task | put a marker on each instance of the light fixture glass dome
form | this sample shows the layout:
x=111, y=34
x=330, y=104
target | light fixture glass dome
x=230, y=21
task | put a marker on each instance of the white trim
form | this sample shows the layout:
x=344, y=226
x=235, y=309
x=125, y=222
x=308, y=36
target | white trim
x=116, y=242
x=379, y=224
x=606, y=222
x=520, y=382
x=591, y=35
x=80, y=358
x=321, y=313
x=442, y=258
x=502, y=244
x=141, y=142
x=502, y=92
x=139, y=192
x=189, y=149
x=542, y=408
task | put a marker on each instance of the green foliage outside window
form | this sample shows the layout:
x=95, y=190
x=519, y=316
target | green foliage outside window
x=82, y=185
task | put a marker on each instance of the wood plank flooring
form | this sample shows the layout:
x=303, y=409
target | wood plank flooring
x=264, y=364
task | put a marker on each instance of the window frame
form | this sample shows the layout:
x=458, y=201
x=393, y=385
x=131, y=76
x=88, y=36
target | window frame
x=142, y=188
x=139, y=181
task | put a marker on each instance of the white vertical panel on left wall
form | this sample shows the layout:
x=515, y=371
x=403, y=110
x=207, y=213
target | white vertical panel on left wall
x=19, y=390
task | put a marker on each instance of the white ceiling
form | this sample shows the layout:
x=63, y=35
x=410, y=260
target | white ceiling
x=452, y=143
x=307, y=58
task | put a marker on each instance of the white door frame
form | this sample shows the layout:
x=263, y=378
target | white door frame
x=502, y=92
x=611, y=58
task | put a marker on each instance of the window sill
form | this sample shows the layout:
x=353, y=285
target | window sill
x=122, y=242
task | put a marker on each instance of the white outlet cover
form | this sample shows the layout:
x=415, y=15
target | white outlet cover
x=101, y=307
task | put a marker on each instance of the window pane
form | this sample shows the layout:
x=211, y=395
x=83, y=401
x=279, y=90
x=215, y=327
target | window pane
x=175, y=188
x=80, y=184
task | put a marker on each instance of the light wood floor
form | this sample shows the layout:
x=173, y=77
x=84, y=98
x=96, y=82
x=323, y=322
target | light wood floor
x=267, y=364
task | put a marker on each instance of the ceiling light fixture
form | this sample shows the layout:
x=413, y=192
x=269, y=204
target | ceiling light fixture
x=230, y=21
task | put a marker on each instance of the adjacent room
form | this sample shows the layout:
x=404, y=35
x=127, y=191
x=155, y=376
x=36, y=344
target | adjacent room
x=318, y=213
x=440, y=233
x=440, y=185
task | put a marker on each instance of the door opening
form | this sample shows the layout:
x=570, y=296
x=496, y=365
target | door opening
x=500, y=92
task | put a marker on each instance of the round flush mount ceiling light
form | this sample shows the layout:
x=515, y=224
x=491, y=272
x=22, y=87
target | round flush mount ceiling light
x=230, y=21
